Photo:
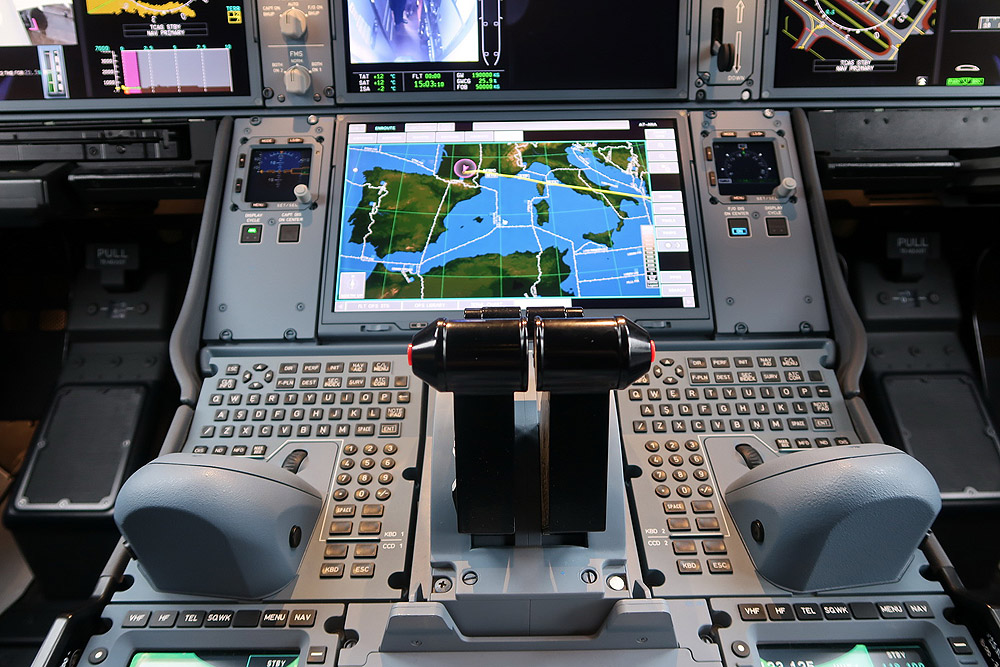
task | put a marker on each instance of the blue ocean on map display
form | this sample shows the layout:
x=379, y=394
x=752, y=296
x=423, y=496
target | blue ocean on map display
x=502, y=219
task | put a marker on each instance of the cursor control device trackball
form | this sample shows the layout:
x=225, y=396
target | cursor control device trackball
x=833, y=518
x=250, y=522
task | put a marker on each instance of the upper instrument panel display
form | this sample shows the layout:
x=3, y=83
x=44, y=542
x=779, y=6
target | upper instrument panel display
x=58, y=50
x=463, y=46
x=920, y=43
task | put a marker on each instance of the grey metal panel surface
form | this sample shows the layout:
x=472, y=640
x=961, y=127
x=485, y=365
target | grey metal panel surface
x=761, y=284
x=268, y=290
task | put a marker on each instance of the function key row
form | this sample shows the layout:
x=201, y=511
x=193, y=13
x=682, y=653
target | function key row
x=291, y=367
x=316, y=382
x=220, y=618
x=383, y=430
x=834, y=611
x=312, y=398
x=762, y=361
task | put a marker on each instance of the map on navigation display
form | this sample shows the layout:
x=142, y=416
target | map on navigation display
x=495, y=220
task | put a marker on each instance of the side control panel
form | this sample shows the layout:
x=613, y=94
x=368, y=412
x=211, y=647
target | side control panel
x=271, y=231
x=758, y=233
x=358, y=419
x=691, y=401
x=295, y=52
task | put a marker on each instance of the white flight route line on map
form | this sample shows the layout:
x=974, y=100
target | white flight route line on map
x=830, y=28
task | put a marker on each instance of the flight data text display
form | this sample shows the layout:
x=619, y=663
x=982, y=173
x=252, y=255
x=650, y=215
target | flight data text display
x=486, y=45
x=887, y=43
x=443, y=216
x=122, y=48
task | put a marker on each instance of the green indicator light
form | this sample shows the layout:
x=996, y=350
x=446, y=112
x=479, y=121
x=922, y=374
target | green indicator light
x=965, y=81
x=251, y=230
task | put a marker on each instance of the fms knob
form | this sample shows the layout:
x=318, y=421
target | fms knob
x=294, y=23
x=302, y=194
x=786, y=188
x=298, y=80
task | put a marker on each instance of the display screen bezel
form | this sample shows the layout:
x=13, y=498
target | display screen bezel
x=333, y=323
x=341, y=47
x=770, y=90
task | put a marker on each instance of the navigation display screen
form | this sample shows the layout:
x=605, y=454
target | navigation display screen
x=116, y=48
x=444, y=216
x=486, y=45
x=919, y=43
x=274, y=173
x=746, y=167
x=842, y=655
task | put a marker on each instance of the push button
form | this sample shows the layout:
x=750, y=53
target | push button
x=959, y=646
x=836, y=611
x=250, y=233
x=136, y=619
x=302, y=618
x=891, y=610
x=274, y=618
x=919, y=610
x=807, y=612
x=752, y=612
x=289, y=233
x=776, y=226
x=780, y=612
x=316, y=655
x=738, y=227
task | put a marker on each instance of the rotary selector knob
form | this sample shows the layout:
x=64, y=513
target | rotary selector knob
x=294, y=23
x=786, y=188
x=302, y=194
x=298, y=80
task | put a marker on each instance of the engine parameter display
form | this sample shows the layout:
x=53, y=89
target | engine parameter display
x=274, y=173
x=52, y=50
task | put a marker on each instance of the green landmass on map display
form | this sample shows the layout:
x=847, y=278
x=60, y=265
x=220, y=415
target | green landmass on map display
x=541, y=212
x=555, y=157
x=409, y=210
x=621, y=156
x=604, y=238
x=488, y=276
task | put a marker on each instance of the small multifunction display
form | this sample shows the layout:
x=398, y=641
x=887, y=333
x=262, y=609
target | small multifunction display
x=52, y=49
x=746, y=167
x=214, y=659
x=485, y=45
x=443, y=216
x=887, y=43
x=842, y=655
x=274, y=173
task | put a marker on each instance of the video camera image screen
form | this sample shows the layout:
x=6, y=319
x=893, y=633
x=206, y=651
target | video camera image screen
x=431, y=46
x=921, y=43
x=117, y=48
x=443, y=216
